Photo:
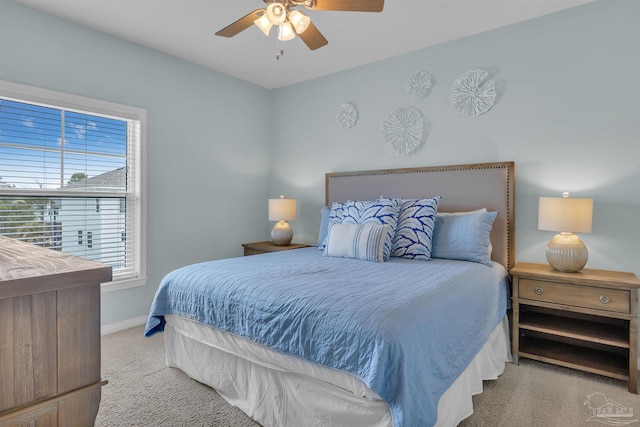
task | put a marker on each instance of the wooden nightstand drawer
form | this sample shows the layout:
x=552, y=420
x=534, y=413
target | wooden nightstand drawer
x=575, y=295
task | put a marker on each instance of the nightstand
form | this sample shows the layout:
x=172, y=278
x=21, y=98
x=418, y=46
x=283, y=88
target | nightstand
x=256, y=248
x=586, y=320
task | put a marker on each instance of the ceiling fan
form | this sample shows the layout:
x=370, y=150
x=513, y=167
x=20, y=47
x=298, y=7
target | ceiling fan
x=291, y=21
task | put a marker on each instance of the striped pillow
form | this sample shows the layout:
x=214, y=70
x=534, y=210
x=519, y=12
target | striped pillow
x=358, y=241
x=379, y=212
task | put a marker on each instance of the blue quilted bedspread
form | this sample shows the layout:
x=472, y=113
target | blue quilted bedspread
x=406, y=328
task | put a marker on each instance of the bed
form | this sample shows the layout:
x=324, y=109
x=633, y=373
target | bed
x=402, y=342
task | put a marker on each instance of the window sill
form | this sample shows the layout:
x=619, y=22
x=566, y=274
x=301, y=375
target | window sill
x=122, y=284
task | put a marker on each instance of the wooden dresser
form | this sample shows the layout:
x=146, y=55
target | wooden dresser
x=49, y=336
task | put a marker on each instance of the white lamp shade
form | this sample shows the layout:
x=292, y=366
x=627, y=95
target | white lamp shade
x=282, y=209
x=299, y=20
x=565, y=214
x=264, y=24
x=285, y=31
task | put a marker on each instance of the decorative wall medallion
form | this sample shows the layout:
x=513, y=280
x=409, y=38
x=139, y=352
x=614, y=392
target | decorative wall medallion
x=417, y=85
x=469, y=96
x=404, y=131
x=346, y=116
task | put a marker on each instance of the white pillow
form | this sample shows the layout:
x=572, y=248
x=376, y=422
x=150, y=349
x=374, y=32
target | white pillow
x=358, y=241
x=462, y=213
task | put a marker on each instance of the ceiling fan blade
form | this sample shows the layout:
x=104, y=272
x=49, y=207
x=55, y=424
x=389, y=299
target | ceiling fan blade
x=349, y=5
x=241, y=24
x=312, y=37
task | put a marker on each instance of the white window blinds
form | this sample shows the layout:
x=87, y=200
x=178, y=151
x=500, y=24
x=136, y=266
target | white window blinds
x=70, y=180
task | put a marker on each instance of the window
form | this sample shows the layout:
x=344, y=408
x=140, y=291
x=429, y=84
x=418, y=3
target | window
x=68, y=165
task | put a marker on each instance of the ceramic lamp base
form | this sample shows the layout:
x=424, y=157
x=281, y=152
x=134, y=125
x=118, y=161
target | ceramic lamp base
x=281, y=234
x=567, y=253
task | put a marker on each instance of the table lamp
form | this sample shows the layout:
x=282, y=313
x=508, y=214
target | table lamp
x=282, y=210
x=565, y=251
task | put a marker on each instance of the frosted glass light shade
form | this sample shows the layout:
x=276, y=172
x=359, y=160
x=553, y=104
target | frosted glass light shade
x=276, y=13
x=285, y=32
x=264, y=24
x=299, y=20
x=565, y=251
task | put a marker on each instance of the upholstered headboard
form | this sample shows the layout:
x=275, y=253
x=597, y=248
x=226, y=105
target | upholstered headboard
x=462, y=188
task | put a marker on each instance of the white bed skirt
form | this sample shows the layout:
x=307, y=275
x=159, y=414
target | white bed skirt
x=276, y=389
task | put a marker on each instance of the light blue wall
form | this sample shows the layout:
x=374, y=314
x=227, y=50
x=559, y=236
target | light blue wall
x=208, y=161
x=567, y=113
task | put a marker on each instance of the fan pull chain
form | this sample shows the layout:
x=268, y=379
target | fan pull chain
x=279, y=49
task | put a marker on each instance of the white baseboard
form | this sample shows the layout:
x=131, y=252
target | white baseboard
x=121, y=326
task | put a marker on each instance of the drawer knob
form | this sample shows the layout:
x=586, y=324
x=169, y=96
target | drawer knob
x=539, y=291
x=604, y=299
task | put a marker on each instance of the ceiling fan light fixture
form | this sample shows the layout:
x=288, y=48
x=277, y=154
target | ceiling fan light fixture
x=285, y=32
x=299, y=20
x=276, y=13
x=292, y=22
x=264, y=24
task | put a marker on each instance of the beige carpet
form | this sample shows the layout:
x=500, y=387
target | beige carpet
x=143, y=391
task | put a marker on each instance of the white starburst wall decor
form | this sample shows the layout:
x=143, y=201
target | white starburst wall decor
x=404, y=131
x=346, y=116
x=470, y=95
x=417, y=85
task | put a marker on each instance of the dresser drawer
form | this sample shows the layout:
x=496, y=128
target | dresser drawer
x=575, y=295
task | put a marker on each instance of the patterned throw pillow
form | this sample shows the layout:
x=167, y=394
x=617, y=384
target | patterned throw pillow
x=414, y=231
x=384, y=211
x=358, y=241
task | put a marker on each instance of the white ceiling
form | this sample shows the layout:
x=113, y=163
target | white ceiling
x=185, y=28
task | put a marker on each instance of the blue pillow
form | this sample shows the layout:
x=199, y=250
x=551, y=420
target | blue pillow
x=384, y=211
x=358, y=241
x=324, y=226
x=463, y=237
x=414, y=232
